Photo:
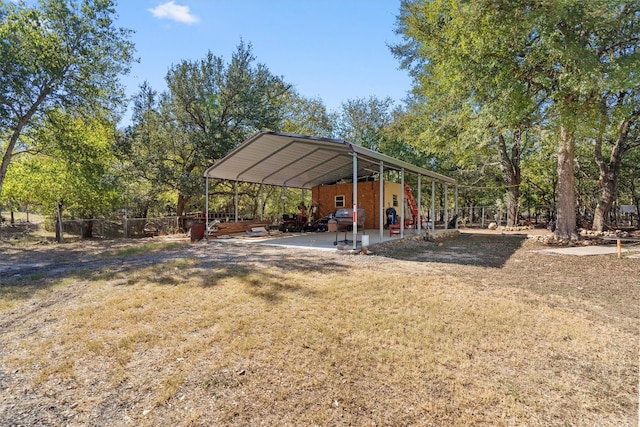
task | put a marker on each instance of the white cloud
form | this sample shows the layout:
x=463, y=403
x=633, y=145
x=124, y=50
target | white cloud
x=171, y=10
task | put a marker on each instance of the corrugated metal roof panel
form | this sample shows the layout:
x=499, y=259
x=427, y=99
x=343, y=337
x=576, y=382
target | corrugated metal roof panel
x=301, y=161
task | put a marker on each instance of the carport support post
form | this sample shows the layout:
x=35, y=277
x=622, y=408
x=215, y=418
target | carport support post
x=381, y=197
x=402, y=207
x=235, y=190
x=446, y=206
x=206, y=206
x=282, y=199
x=59, y=223
x=355, y=201
x=455, y=192
x=419, y=219
x=261, y=202
x=433, y=206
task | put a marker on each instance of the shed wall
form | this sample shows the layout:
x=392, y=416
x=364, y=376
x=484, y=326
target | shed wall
x=368, y=198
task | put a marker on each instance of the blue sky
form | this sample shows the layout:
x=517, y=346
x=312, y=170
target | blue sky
x=335, y=50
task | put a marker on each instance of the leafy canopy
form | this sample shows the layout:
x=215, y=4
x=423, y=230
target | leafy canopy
x=57, y=55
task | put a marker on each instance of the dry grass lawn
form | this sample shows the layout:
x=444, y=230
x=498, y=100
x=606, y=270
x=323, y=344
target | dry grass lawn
x=224, y=334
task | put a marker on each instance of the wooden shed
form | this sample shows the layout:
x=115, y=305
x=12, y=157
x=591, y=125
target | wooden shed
x=329, y=198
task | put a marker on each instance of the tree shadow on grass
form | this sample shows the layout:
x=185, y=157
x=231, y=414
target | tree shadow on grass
x=273, y=277
x=263, y=269
x=465, y=249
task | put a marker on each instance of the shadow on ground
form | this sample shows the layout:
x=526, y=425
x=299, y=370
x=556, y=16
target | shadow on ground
x=26, y=271
x=465, y=249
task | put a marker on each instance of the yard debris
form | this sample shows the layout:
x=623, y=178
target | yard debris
x=257, y=231
x=226, y=228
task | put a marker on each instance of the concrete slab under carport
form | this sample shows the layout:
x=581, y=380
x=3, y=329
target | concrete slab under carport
x=324, y=241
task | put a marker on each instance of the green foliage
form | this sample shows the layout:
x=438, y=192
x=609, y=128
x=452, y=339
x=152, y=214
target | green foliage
x=209, y=107
x=363, y=121
x=307, y=116
x=221, y=104
x=469, y=107
x=539, y=186
x=489, y=73
x=630, y=180
x=73, y=166
x=60, y=54
x=18, y=190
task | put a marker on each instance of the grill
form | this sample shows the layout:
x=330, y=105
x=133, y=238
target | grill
x=344, y=222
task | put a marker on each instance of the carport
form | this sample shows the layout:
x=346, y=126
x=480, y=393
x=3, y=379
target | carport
x=304, y=162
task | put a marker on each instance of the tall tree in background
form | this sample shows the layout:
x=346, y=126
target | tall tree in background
x=363, y=121
x=73, y=168
x=60, y=54
x=509, y=60
x=307, y=116
x=540, y=177
x=580, y=54
x=18, y=190
x=618, y=134
x=630, y=181
x=396, y=139
x=143, y=152
x=472, y=109
x=210, y=106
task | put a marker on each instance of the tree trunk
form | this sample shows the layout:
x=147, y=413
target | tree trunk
x=87, y=229
x=59, y=232
x=513, y=211
x=182, y=202
x=8, y=154
x=610, y=173
x=607, y=196
x=510, y=166
x=566, y=221
x=608, y=190
x=636, y=202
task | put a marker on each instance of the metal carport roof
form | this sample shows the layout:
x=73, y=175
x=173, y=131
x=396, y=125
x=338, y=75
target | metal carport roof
x=301, y=161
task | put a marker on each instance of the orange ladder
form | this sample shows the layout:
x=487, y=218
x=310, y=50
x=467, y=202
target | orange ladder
x=412, y=203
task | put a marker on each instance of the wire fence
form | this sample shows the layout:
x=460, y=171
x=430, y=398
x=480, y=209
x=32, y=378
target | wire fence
x=126, y=227
x=120, y=228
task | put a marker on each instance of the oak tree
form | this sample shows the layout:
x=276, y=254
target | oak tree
x=58, y=54
x=210, y=106
x=522, y=66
